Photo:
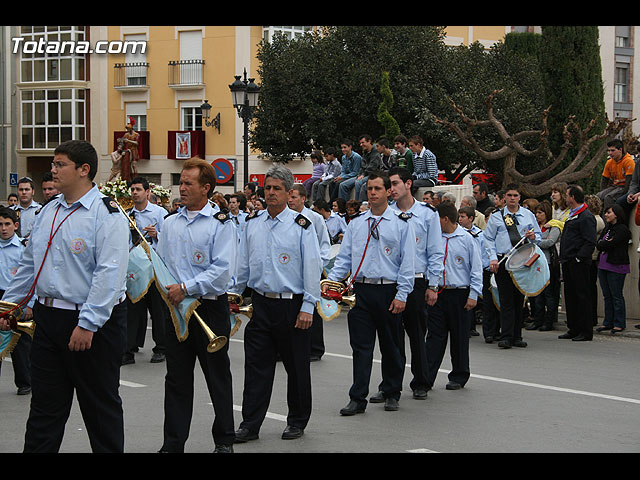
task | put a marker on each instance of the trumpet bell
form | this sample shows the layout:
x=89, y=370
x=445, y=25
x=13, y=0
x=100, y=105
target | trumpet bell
x=215, y=342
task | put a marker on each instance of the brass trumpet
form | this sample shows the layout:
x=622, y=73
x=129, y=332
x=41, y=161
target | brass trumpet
x=215, y=342
x=14, y=317
x=236, y=305
x=335, y=291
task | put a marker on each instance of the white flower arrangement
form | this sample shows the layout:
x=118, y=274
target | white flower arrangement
x=160, y=191
x=115, y=189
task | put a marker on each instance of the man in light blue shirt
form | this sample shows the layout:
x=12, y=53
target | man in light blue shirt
x=280, y=261
x=80, y=310
x=384, y=277
x=237, y=205
x=350, y=167
x=336, y=225
x=459, y=292
x=503, y=231
x=11, y=250
x=297, y=199
x=27, y=206
x=198, y=245
x=428, y=274
x=149, y=218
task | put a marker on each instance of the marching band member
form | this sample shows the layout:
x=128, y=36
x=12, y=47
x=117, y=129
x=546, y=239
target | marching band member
x=149, y=218
x=280, y=261
x=504, y=229
x=11, y=250
x=297, y=199
x=27, y=206
x=80, y=283
x=429, y=259
x=198, y=245
x=458, y=295
x=384, y=278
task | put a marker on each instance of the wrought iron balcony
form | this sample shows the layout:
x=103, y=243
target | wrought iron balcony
x=185, y=74
x=130, y=76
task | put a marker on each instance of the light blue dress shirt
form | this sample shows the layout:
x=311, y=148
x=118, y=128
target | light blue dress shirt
x=392, y=256
x=10, y=255
x=496, y=236
x=87, y=261
x=429, y=250
x=336, y=224
x=278, y=255
x=478, y=234
x=27, y=217
x=463, y=263
x=319, y=225
x=201, y=252
x=151, y=214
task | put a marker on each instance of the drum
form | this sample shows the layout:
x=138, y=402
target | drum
x=529, y=269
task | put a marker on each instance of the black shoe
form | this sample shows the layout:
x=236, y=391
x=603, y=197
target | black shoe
x=453, y=386
x=291, y=432
x=315, y=358
x=603, y=328
x=352, y=408
x=157, y=357
x=533, y=326
x=520, y=343
x=390, y=404
x=616, y=330
x=128, y=359
x=581, y=338
x=488, y=339
x=504, y=344
x=244, y=435
x=545, y=328
x=566, y=336
x=223, y=449
x=377, y=398
x=473, y=333
x=420, y=394
x=24, y=390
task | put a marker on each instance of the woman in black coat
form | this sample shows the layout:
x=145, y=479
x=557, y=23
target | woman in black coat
x=613, y=267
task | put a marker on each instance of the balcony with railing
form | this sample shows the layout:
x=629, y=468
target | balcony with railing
x=186, y=74
x=130, y=76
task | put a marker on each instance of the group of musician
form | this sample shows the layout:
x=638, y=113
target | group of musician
x=406, y=261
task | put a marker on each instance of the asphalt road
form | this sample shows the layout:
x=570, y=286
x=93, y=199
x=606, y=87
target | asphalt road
x=553, y=396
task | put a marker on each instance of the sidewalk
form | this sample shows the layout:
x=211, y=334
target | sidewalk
x=630, y=331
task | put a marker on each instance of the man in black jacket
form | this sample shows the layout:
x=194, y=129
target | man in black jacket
x=576, y=246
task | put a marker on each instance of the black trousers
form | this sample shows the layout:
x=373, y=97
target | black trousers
x=490, y=313
x=511, y=306
x=370, y=317
x=576, y=278
x=414, y=320
x=93, y=374
x=317, y=335
x=21, y=359
x=271, y=333
x=137, y=318
x=448, y=318
x=179, y=381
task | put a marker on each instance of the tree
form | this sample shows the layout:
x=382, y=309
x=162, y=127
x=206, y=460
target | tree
x=391, y=127
x=538, y=183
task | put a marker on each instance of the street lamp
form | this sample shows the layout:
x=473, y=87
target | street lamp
x=206, y=113
x=244, y=94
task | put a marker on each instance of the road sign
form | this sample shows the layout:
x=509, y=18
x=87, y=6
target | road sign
x=224, y=170
x=13, y=179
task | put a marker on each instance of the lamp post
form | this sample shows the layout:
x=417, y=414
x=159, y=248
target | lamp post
x=244, y=94
x=206, y=114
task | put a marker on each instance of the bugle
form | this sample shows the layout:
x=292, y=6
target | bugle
x=14, y=313
x=215, y=342
x=333, y=296
x=236, y=305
